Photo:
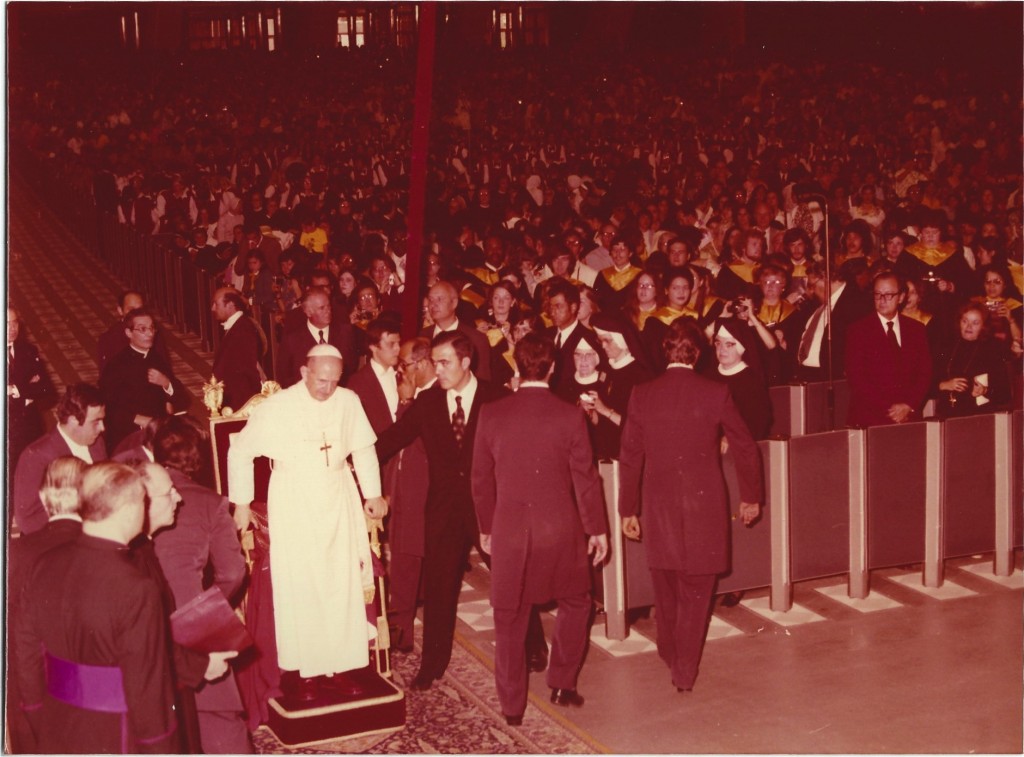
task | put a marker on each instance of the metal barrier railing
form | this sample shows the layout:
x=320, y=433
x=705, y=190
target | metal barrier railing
x=852, y=501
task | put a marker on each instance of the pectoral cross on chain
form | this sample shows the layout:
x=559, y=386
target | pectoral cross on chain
x=327, y=456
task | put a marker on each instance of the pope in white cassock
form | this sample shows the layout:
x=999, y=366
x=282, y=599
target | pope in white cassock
x=319, y=550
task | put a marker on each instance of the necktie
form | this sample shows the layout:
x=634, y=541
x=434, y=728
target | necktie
x=321, y=333
x=459, y=421
x=891, y=333
x=805, y=341
x=558, y=341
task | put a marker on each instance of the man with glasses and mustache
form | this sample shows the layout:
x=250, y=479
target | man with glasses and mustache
x=138, y=384
x=888, y=365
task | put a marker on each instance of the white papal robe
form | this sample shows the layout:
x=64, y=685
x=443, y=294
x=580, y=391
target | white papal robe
x=319, y=549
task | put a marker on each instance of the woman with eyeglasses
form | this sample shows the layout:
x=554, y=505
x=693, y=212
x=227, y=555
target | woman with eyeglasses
x=1005, y=311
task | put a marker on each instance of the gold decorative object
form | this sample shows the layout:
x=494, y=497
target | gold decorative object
x=268, y=388
x=213, y=396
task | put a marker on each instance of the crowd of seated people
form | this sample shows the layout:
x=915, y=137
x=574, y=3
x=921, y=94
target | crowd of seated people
x=717, y=196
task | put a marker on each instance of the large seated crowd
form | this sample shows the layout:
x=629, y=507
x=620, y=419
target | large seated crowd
x=596, y=201
x=709, y=190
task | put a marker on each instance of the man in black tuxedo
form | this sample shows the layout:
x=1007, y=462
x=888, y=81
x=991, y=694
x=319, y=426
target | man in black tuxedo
x=28, y=389
x=563, y=305
x=236, y=361
x=80, y=423
x=138, y=384
x=319, y=327
x=813, y=352
x=442, y=301
x=445, y=418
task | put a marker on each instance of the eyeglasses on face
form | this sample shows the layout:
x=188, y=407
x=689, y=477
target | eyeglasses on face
x=886, y=296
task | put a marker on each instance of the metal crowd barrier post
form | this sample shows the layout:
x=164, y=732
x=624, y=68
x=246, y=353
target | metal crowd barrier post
x=613, y=576
x=858, y=585
x=1003, y=464
x=777, y=493
x=934, y=572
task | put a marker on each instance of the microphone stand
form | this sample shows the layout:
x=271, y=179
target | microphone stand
x=830, y=392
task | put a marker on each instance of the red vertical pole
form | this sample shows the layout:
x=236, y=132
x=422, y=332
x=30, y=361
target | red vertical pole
x=418, y=169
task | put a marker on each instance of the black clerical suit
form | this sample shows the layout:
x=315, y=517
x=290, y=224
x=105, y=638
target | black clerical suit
x=128, y=392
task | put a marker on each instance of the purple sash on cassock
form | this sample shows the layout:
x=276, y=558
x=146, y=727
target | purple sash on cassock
x=90, y=687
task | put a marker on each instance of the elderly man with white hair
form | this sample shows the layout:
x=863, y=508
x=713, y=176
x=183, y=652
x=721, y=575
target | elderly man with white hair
x=319, y=555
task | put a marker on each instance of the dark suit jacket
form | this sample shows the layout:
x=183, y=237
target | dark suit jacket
x=538, y=494
x=203, y=534
x=128, y=393
x=449, y=499
x=35, y=393
x=481, y=362
x=291, y=354
x=235, y=363
x=851, y=306
x=29, y=513
x=879, y=376
x=670, y=470
x=29, y=548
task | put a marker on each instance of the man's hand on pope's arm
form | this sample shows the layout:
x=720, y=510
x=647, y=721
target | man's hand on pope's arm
x=598, y=547
x=376, y=507
x=242, y=516
x=631, y=527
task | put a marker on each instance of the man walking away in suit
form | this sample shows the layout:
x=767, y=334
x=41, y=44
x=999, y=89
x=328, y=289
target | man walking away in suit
x=80, y=424
x=672, y=433
x=536, y=528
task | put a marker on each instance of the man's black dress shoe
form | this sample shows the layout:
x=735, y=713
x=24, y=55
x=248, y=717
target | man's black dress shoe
x=422, y=681
x=682, y=690
x=537, y=662
x=514, y=719
x=566, y=698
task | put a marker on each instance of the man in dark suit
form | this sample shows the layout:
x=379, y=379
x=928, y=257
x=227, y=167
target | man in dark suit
x=563, y=305
x=28, y=389
x=888, y=364
x=319, y=327
x=113, y=340
x=236, y=361
x=670, y=476
x=445, y=418
x=407, y=487
x=203, y=538
x=376, y=383
x=137, y=384
x=813, y=351
x=535, y=527
x=442, y=301
x=80, y=423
